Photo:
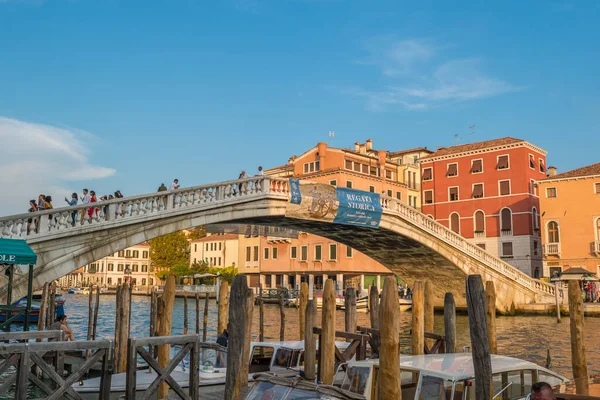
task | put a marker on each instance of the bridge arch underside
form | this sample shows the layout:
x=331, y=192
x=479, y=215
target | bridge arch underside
x=406, y=250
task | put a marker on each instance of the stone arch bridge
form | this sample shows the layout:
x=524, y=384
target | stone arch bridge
x=407, y=242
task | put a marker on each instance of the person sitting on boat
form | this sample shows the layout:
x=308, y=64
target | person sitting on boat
x=542, y=391
x=62, y=324
x=221, y=356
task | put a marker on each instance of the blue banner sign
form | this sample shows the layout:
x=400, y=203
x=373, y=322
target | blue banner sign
x=296, y=195
x=327, y=203
x=358, y=208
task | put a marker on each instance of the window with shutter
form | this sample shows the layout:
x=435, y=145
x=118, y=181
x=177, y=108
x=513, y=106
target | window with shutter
x=542, y=166
x=427, y=174
x=428, y=196
x=357, y=167
x=502, y=162
x=597, y=185
x=348, y=164
x=372, y=189
x=476, y=166
x=553, y=236
x=452, y=170
x=504, y=188
x=478, y=190
x=482, y=245
x=479, y=221
x=455, y=223
x=453, y=191
x=505, y=219
x=507, y=249
x=551, y=192
x=365, y=169
x=531, y=162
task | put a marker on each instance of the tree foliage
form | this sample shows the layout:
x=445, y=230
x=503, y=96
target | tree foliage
x=169, y=251
x=197, y=233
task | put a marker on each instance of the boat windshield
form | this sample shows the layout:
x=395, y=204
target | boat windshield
x=356, y=379
x=212, y=358
x=434, y=388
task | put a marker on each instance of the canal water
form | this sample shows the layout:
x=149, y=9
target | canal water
x=525, y=337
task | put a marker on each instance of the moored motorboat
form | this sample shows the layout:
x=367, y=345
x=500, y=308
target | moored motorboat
x=277, y=357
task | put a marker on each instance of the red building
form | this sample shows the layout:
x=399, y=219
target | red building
x=485, y=192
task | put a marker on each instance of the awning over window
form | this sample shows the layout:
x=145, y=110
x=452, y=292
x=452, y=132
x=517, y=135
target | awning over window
x=13, y=251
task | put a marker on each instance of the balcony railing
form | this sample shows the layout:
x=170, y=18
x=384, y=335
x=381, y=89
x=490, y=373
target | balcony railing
x=506, y=232
x=479, y=234
x=552, y=249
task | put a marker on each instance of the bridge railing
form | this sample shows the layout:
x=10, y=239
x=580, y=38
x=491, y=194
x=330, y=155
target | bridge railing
x=81, y=217
x=390, y=204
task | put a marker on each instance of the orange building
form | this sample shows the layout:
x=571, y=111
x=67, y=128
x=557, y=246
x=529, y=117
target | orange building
x=286, y=262
x=570, y=205
x=485, y=192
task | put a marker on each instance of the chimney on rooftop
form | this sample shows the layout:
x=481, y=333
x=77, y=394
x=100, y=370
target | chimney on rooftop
x=551, y=171
x=369, y=144
x=356, y=146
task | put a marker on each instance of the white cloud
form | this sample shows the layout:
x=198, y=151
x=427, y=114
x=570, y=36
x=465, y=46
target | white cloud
x=415, y=80
x=39, y=158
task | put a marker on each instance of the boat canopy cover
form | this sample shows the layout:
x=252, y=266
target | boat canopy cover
x=16, y=251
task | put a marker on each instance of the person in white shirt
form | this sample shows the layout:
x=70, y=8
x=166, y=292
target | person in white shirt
x=175, y=185
x=84, y=200
x=260, y=171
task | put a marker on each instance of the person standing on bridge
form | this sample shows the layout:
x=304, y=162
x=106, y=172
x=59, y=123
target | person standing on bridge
x=84, y=200
x=260, y=171
x=73, y=202
x=175, y=185
x=162, y=188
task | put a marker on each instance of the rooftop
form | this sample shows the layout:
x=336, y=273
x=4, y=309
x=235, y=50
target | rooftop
x=444, y=151
x=588, y=170
x=408, y=151
x=216, y=238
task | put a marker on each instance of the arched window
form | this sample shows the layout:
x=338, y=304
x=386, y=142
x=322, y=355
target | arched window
x=553, y=232
x=455, y=222
x=479, y=221
x=505, y=219
x=535, y=218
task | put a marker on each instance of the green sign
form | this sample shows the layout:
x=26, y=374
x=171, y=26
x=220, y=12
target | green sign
x=13, y=251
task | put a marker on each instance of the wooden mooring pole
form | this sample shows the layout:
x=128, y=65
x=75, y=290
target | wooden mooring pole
x=327, y=340
x=281, y=319
x=51, y=304
x=238, y=315
x=96, y=308
x=350, y=311
x=418, y=319
x=310, y=342
x=302, y=301
x=490, y=300
x=205, y=318
x=197, y=313
x=428, y=307
x=42, y=317
x=164, y=318
x=374, y=306
x=482, y=362
x=124, y=315
x=223, y=307
x=118, y=321
x=261, y=319
x=578, y=358
x=153, y=312
x=450, y=322
x=246, y=356
x=185, y=313
x=557, y=286
x=389, y=342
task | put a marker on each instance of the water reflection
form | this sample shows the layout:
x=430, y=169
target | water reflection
x=525, y=337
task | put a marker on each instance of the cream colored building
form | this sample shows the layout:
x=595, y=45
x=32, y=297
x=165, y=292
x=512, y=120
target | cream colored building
x=409, y=172
x=216, y=250
x=249, y=258
x=129, y=265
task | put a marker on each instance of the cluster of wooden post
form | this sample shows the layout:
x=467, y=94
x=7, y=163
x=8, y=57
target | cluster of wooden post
x=122, y=326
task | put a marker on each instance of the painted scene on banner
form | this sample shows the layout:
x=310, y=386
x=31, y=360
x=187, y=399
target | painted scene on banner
x=321, y=202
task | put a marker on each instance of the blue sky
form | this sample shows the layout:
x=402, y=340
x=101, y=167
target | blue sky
x=128, y=94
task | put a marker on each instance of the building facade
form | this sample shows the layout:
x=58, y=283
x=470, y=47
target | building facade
x=286, y=262
x=216, y=250
x=249, y=258
x=130, y=265
x=570, y=205
x=486, y=192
